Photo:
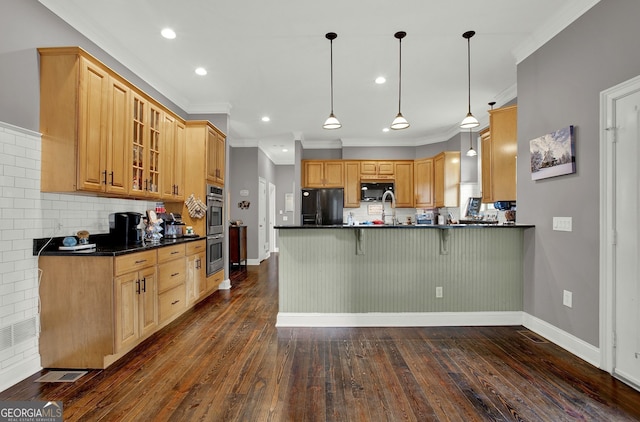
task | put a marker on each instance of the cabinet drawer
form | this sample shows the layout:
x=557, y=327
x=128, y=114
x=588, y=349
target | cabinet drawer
x=134, y=262
x=172, y=302
x=196, y=247
x=171, y=274
x=214, y=280
x=170, y=252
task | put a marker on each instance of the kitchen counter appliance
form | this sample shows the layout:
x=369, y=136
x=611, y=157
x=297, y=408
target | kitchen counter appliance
x=172, y=225
x=124, y=228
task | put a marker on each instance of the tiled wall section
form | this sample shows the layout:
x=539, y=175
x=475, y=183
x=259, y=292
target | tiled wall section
x=25, y=214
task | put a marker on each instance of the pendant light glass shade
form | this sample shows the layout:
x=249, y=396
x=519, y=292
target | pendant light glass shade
x=332, y=121
x=469, y=121
x=400, y=122
x=472, y=152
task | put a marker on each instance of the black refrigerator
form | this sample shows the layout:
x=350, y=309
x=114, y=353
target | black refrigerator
x=322, y=207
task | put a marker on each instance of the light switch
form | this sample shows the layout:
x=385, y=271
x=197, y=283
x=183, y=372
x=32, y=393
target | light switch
x=563, y=224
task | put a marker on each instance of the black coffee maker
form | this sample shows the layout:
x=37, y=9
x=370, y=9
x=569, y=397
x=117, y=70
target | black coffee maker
x=123, y=228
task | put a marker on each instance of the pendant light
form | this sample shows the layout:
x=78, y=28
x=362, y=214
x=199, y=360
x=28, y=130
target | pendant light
x=332, y=121
x=400, y=122
x=472, y=152
x=469, y=121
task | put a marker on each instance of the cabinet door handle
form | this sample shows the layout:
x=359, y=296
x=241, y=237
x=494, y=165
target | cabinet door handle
x=175, y=274
x=141, y=261
x=111, y=174
x=144, y=284
x=137, y=286
x=175, y=301
x=198, y=264
x=145, y=184
x=105, y=176
x=174, y=252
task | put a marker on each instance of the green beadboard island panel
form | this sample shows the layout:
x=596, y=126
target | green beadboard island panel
x=347, y=271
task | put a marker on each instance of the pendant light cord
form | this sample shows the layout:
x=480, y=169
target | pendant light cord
x=331, y=53
x=400, y=75
x=469, y=72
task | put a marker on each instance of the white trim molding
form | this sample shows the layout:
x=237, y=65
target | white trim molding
x=398, y=319
x=569, y=342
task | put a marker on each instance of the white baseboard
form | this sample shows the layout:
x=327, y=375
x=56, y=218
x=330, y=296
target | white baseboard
x=16, y=373
x=225, y=285
x=569, y=342
x=401, y=319
x=253, y=262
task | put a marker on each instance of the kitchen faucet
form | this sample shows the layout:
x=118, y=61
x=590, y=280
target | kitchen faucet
x=393, y=206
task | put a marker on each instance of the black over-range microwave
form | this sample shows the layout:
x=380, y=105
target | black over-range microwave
x=373, y=191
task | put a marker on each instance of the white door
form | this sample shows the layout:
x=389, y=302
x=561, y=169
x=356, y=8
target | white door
x=262, y=219
x=627, y=246
x=272, y=217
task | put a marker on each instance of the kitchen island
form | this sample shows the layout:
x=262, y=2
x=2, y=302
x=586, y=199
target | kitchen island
x=401, y=275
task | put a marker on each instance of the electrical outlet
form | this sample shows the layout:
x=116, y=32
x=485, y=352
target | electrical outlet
x=439, y=291
x=562, y=224
x=567, y=299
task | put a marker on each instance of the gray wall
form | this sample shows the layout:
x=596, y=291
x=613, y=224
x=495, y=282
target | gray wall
x=559, y=85
x=243, y=175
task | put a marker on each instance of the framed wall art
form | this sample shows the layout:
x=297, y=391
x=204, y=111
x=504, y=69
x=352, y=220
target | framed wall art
x=553, y=154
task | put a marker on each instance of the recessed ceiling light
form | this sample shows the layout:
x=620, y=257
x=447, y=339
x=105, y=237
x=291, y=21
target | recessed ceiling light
x=386, y=129
x=168, y=33
x=201, y=71
x=380, y=80
x=266, y=119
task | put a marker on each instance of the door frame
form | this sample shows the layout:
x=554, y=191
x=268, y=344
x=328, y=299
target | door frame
x=608, y=99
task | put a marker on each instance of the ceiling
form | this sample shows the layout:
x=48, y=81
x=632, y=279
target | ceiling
x=271, y=58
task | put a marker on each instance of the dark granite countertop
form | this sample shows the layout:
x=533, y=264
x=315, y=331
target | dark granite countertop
x=104, y=246
x=413, y=226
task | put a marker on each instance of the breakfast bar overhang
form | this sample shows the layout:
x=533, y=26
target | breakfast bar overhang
x=401, y=275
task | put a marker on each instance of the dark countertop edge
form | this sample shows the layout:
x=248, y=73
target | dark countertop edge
x=105, y=249
x=426, y=226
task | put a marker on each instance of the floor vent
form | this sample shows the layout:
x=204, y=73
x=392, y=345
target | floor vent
x=17, y=333
x=533, y=337
x=61, y=376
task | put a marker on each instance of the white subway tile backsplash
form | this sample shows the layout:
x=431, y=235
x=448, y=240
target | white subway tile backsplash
x=25, y=214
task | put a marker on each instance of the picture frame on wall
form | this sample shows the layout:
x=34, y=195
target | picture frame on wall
x=553, y=154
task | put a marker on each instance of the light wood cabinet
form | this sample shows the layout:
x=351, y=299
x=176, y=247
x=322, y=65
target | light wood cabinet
x=145, y=148
x=377, y=169
x=215, y=156
x=403, y=171
x=214, y=280
x=352, y=184
x=101, y=134
x=136, y=310
x=499, y=171
x=485, y=154
x=423, y=182
x=84, y=124
x=199, y=134
x=110, y=304
x=196, y=271
x=172, y=276
x=322, y=174
x=173, y=156
x=446, y=179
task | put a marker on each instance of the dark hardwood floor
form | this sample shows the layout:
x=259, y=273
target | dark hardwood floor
x=226, y=361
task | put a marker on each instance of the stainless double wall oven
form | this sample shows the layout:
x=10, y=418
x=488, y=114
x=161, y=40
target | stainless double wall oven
x=215, y=229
